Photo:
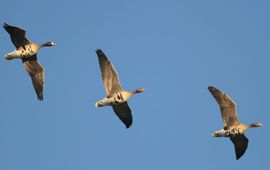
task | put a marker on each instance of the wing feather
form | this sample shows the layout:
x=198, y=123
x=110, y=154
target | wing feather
x=227, y=107
x=36, y=72
x=240, y=144
x=17, y=35
x=109, y=74
x=124, y=113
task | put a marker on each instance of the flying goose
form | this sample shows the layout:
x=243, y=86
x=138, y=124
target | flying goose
x=116, y=96
x=27, y=51
x=233, y=128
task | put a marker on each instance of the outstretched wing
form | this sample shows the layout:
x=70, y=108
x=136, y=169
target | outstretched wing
x=124, y=113
x=36, y=72
x=109, y=74
x=240, y=144
x=17, y=35
x=227, y=107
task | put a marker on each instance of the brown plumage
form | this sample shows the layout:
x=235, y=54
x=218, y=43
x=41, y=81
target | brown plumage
x=240, y=144
x=17, y=35
x=109, y=75
x=36, y=72
x=233, y=128
x=116, y=96
x=227, y=107
x=124, y=113
x=27, y=51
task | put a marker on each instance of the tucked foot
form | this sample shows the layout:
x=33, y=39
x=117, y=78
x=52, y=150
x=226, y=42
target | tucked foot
x=97, y=104
x=8, y=57
x=216, y=134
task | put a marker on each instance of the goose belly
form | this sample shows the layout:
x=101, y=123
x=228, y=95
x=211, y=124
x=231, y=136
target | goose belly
x=111, y=101
x=227, y=133
x=221, y=133
x=104, y=102
x=23, y=52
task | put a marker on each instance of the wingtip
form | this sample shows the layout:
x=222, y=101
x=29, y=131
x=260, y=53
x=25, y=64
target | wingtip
x=40, y=98
x=128, y=125
x=98, y=50
x=237, y=157
x=210, y=87
x=5, y=25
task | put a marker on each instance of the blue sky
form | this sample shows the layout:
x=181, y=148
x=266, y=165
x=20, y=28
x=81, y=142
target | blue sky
x=174, y=49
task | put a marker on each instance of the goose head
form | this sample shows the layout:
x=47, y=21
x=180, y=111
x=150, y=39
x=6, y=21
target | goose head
x=139, y=90
x=48, y=44
x=257, y=124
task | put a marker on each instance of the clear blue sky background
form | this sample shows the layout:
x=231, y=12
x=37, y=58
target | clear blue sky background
x=172, y=48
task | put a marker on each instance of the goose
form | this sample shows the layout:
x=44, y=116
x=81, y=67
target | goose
x=116, y=96
x=27, y=51
x=233, y=128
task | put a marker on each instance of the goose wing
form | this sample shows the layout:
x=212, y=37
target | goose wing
x=36, y=72
x=124, y=113
x=240, y=144
x=17, y=35
x=227, y=107
x=109, y=74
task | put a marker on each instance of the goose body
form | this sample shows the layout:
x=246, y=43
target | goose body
x=231, y=131
x=27, y=51
x=233, y=128
x=115, y=99
x=116, y=96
